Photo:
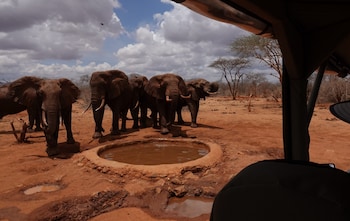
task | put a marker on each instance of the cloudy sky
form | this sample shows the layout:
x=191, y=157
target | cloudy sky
x=73, y=38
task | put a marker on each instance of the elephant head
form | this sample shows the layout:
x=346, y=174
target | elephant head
x=110, y=88
x=166, y=89
x=56, y=98
x=198, y=89
x=201, y=88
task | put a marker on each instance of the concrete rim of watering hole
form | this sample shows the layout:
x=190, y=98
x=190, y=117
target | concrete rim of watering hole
x=214, y=154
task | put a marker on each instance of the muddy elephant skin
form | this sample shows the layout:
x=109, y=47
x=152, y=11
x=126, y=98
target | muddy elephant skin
x=198, y=89
x=166, y=90
x=56, y=96
x=30, y=102
x=112, y=88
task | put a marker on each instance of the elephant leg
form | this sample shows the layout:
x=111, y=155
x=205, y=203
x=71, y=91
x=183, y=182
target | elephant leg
x=163, y=118
x=180, y=121
x=171, y=112
x=154, y=118
x=67, y=120
x=193, y=107
x=143, y=119
x=98, y=117
x=123, y=116
x=37, y=120
x=115, y=122
x=135, y=116
x=31, y=119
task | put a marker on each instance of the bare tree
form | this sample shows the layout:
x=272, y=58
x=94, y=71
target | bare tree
x=264, y=49
x=231, y=70
x=333, y=89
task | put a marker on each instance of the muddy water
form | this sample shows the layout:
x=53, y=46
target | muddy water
x=156, y=152
x=42, y=188
x=189, y=207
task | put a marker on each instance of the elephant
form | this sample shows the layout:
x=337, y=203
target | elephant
x=31, y=103
x=142, y=81
x=56, y=97
x=113, y=88
x=198, y=88
x=166, y=90
x=8, y=106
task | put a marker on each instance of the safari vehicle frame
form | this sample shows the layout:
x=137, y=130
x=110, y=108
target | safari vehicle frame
x=312, y=34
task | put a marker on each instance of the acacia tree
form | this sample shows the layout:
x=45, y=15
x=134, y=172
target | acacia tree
x=263, y=49
x=231, y=70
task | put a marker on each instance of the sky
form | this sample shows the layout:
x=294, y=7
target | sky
x=73, y=38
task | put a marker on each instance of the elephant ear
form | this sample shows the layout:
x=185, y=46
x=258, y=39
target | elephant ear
x=214, y=87
x=18, y=89
x=117, y=87
x=154, y=87
x=182, y=86
x=70, y=92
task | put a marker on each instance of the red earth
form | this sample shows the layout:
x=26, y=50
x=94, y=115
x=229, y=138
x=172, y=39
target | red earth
x=247, y=130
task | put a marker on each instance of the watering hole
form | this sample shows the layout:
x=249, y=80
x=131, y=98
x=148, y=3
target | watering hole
x=156, y=152
x=157, y=156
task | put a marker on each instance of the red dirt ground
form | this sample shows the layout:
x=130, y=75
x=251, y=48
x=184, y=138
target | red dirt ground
x=92, y=192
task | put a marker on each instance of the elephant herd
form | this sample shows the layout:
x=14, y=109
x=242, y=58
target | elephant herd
x=46, y=100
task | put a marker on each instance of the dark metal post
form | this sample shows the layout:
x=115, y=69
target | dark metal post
x=314, y=92
x=295, y=126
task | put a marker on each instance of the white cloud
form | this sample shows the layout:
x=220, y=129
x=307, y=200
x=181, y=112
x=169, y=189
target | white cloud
x=73, y=38
x=183, y=42
x=34, y=31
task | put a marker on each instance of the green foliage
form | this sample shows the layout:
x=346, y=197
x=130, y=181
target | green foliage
x=265, y=50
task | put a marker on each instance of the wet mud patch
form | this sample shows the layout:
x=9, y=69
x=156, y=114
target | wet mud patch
x=11, y=213
x=269, y=152
x=80, y=208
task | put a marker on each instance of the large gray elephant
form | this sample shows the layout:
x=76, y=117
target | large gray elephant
x=30, y=102
x=56, y=98
x=198, y=89
x=114, y=89
x=166, y=90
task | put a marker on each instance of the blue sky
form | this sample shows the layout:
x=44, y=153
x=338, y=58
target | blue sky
x=65, y=38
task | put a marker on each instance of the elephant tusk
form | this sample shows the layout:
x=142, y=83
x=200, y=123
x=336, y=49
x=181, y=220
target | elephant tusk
x=186, y=97
x=43, y=119
x=168, y=99
x=102, y=105
x=212, y=93
x=86, y=109
x=137, y=104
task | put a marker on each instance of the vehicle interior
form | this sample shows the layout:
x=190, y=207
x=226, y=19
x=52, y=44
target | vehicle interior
x=314, y=36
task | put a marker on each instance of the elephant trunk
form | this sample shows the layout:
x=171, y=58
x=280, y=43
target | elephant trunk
x=51, y=130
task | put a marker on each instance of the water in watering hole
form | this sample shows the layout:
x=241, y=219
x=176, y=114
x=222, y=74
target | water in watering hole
x=156, y=152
